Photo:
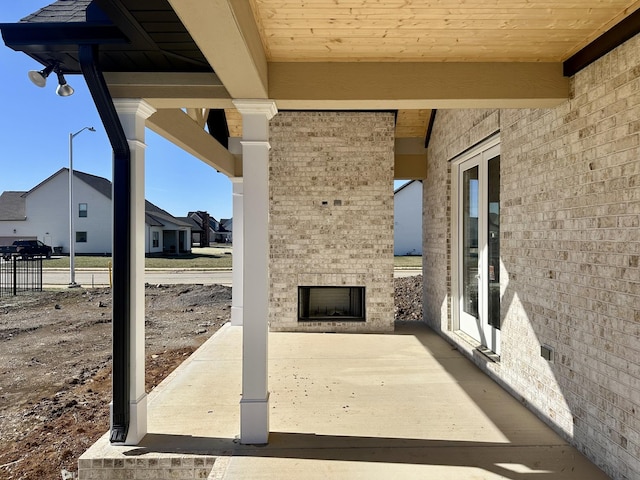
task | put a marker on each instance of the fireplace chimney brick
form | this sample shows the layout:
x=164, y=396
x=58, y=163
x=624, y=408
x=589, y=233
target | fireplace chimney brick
x=319, y=157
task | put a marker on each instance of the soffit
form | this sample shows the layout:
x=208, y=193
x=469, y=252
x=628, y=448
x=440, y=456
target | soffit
x=139, y=36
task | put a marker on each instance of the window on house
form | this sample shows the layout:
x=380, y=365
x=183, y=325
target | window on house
x=82, y=210
x=155, y=239
x=81, y=237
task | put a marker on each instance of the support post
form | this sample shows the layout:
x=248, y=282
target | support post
x=132, y=114
x=254, y=406
x=238, y=254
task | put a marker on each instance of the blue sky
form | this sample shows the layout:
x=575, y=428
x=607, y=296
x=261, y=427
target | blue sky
x=34, y=138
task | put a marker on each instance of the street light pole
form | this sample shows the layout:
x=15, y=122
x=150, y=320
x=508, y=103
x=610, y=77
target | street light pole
x=72, y=243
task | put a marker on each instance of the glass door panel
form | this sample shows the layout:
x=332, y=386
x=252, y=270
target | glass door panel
x=470, y=242
x=493, y=242
x=469, y=275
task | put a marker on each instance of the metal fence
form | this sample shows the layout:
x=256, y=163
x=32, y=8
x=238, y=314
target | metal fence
x=20, y=275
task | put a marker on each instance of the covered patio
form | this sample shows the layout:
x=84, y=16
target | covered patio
x=406, y=405
x=312, y=109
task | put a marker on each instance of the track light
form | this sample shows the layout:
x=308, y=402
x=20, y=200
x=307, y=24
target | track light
x=64, y=89
x=39, y=78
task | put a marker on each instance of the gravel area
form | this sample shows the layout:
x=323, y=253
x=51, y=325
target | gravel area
x=408, y=298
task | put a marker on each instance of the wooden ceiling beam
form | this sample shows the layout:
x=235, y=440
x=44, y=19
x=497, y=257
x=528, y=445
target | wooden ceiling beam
x=363, y=85
x=177, y=127
x=226, y=33
x=410, y=160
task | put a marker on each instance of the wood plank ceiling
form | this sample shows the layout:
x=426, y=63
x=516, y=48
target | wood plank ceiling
x=432, y=31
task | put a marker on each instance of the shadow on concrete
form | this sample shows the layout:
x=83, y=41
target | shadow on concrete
x=495, y=410
x=512, y=462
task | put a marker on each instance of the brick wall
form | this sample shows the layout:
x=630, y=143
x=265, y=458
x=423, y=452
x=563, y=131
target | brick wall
x=331, y=213
x=570, y=247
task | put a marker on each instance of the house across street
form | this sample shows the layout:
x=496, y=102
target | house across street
x=42, y=213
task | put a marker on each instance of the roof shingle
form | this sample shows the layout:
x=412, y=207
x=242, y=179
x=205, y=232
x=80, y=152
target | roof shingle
x=12, y=206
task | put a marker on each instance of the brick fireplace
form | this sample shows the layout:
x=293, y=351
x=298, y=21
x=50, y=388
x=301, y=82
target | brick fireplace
x=331, y=221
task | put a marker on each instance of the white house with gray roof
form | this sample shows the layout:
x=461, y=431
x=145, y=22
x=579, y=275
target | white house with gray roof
x=43, y=213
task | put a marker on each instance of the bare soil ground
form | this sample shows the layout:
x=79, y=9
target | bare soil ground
x=55, y=368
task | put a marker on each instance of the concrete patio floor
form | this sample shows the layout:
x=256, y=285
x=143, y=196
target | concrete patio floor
x=343, y=406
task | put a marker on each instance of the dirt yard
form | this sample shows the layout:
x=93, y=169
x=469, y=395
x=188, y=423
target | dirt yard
x=55, y=374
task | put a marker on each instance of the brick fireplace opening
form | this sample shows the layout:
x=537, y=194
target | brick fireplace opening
x=331, y=303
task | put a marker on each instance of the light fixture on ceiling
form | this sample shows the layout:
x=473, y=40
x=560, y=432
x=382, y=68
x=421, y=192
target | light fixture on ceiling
x=39, y=78
x=64, y=89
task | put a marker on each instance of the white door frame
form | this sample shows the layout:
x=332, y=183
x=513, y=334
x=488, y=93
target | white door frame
x=479, y=155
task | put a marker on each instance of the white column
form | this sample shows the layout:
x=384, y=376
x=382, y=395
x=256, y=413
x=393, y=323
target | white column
x=238, y=253
x=132, y=114
x=254, y=406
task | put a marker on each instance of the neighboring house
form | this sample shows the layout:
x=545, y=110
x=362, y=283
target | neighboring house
x=196, y=230
x=407, y=219
x=215, y=233
x=43, y=213
x=226, y=229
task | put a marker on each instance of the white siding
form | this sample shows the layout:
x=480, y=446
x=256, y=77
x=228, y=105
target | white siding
x=7, y=235
x=407, y=211
x=47, y=210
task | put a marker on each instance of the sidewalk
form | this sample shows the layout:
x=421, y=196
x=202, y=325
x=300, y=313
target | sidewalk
x=343, y=406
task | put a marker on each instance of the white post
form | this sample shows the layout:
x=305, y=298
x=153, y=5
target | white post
x=132, y=114
x=238, y=253
x=254, y=406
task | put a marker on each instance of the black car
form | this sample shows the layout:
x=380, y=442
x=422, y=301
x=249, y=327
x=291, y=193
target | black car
x=32, y=248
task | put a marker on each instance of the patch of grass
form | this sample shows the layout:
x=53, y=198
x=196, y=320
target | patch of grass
x=194, y=260
x=199, y=258
x=205, y=258
x=79, y=262
x=409, y=261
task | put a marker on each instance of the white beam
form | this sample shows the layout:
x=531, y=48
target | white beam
x=226, y=34
x=170, y=90
x=317, y=86
x=177, y=127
